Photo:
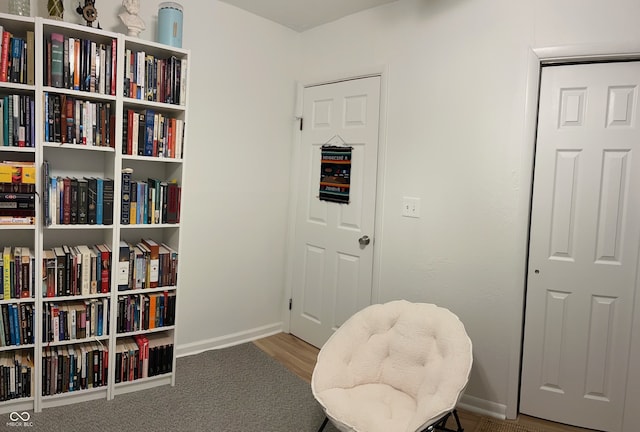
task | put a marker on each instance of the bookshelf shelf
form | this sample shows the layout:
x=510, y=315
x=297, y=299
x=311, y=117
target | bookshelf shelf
x=98, y=339
x=18, y=149
x=18, y=405
x=16, y=347
x=87, y=102
x=146, y=290
x=75, y=396
x=81, y=94
x=151, y=159
x=148, y=226
x=21, y=226
x=80, y=147
x=141, y=384
x=77, y=297
x=18, y=300
x=141, y=332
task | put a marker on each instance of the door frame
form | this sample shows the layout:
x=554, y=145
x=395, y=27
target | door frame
x=536, y=58
x=295, y=176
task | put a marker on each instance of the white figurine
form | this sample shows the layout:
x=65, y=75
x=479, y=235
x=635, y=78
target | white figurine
x=130, y=18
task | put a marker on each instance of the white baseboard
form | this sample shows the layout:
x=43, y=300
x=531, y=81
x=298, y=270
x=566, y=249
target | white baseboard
x=228, y=340
x=483, y=407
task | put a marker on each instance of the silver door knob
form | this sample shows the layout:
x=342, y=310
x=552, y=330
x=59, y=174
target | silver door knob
x=364, y=240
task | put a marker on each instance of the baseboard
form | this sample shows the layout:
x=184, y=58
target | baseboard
x=482, y=407
x=228, y=340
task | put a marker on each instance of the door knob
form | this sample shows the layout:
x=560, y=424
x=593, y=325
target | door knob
x=364, y=240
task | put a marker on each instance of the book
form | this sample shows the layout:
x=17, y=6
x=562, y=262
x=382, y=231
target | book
x=105, y=267
x=57, y=54
x=83, y=200
x=31, y=47
x=150, y=117
x=92, y=197
x=123, y=266
x=107, y=204
x=49, y=273
x=73, y=213
x=7, y=258
x=126, y=196
x=154, y=255
x=99, y=200
x=4, y=58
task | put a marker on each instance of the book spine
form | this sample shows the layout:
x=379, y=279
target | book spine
x=107, y=207
x=99, y=200
x=57, y=55
x=4, y=60
x=126, y=197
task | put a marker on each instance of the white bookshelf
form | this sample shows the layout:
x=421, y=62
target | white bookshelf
x=77, y=160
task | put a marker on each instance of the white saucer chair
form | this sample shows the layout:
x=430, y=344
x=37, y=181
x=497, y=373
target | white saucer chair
x=394, y=367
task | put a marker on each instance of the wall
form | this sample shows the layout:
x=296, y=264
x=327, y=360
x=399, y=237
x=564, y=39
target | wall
x=455, y=137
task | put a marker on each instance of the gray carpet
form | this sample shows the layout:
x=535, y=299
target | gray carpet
x=228, y=390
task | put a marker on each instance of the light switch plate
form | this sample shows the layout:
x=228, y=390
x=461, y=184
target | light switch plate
x=411, y=207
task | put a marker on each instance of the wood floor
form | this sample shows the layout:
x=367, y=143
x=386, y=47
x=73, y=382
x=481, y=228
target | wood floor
x=300, y=357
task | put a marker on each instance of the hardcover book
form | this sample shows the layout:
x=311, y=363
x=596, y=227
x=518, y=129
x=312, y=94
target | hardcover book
x=57, y=54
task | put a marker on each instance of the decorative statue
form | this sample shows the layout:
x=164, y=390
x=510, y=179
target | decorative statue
x=88, y=12
x=130, y=18
x=55, y=9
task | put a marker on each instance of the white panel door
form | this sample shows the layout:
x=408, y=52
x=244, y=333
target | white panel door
x=332, y=270
x=583, y=258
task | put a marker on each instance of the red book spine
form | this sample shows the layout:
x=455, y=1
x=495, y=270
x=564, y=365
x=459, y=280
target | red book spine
x=106, y=272
x=4, y=61
x=114, y=55
x=66, y=203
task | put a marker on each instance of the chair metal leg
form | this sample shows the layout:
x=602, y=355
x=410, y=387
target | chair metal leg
x=324, y=423
x=441, y=424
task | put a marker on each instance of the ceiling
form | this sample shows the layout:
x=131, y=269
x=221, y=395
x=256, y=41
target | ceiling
x=301, y=15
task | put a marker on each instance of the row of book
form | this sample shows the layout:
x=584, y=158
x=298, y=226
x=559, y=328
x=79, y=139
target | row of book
x=18, y=272
x=146, y=264
x=143, y=356
x=79, y=270
x=17, y=206
x=17, y=59
x=75, y=320
x=16, y=324
x=149, y=133
x=18, y=172
x=150, y=201
x=77, y=121
x=146, y=311
x=16, y=378
x=154, y=79
x=17, y=113
x=71, y=200
x=74, y=367
x=80, y=64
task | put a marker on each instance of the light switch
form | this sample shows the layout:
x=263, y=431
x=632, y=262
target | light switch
x=411, y=207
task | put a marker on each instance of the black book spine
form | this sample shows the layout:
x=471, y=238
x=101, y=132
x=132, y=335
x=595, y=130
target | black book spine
x=83, y=200
x=107, y=202
x=74, y=200
x=92, y=195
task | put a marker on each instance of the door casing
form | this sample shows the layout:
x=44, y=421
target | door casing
x=536, y=58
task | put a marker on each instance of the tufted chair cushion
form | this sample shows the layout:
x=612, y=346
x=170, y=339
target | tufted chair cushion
x=393, y=367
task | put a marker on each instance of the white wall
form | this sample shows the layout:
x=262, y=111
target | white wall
x=457, y=73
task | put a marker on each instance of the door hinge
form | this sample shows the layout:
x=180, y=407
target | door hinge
x=290, y=303
x=301, y=122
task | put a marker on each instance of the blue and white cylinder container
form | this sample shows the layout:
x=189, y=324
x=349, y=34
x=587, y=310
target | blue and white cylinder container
x=170, y=24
